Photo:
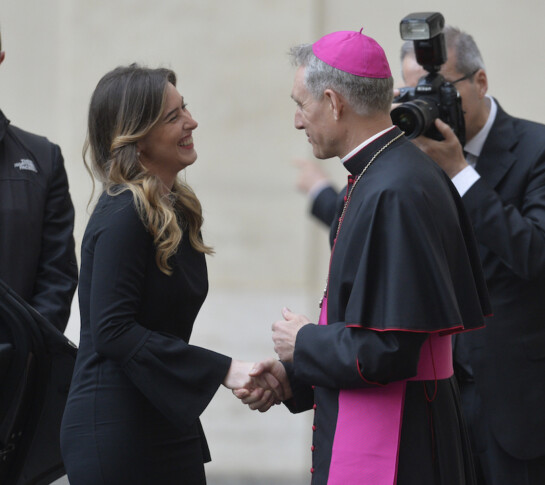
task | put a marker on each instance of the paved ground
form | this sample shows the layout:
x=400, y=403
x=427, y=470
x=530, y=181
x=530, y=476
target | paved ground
x=233, y=481
x=256, y=481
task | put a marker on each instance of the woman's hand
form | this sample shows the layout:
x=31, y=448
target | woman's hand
x=270, y=386
x=238, y=375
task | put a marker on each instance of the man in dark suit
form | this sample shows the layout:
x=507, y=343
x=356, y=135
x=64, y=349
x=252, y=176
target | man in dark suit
x=37, y=265
x=37, y=255
x=500, y=174
x=502, y=182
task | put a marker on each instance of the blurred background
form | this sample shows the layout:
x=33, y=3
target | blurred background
x=231, y=60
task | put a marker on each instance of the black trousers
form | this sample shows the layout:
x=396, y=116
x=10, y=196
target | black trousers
x=493, y=465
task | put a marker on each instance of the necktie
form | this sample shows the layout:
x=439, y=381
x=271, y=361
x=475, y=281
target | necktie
x=470, y=158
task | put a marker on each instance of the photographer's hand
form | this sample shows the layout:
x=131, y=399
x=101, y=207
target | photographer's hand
x=397, y=92
x=448, y=154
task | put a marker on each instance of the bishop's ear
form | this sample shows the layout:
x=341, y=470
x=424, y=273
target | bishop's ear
x=336, y=103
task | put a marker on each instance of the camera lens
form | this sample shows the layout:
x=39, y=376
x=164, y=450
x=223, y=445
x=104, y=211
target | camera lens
x=415, y=117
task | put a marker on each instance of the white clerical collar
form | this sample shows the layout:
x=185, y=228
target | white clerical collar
x=365, y=143
x=475, y=145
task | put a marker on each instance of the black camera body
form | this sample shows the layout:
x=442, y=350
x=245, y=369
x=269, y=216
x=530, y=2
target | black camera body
x=433, y=97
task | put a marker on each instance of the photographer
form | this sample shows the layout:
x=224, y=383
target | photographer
x=501, y=369
x=501, y=179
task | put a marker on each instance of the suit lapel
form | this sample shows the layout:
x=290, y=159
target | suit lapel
x=497, y=156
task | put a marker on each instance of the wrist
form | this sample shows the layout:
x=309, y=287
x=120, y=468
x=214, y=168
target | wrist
x=456, y=168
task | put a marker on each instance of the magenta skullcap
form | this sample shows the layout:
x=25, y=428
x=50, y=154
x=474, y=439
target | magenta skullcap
x=354, y=53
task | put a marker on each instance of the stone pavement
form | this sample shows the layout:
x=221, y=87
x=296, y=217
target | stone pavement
x=234, y=481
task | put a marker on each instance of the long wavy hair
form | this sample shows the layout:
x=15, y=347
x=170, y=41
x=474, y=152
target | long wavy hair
x=126, y=104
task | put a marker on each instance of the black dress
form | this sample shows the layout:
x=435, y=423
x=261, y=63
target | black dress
x=132, y=415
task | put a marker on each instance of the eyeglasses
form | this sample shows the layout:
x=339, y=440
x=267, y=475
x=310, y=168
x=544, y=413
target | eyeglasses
x=467, y=76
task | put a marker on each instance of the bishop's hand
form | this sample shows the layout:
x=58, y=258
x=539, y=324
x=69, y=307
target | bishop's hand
x=269, y=386
x=285, y=332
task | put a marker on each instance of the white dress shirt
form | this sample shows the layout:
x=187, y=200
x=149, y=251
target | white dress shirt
x=468, y=176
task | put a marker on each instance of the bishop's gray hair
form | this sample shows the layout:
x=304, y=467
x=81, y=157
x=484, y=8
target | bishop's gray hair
x=365, y=95
x=468, y=56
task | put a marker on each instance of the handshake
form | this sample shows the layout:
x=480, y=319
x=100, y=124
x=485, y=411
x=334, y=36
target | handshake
x=266, y=383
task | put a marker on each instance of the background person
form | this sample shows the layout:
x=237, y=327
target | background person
x=37, y=255
x=501, y=179
x=139, y=387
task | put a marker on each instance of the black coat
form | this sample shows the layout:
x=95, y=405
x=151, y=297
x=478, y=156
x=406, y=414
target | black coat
x=36, y=363
x=37, y=256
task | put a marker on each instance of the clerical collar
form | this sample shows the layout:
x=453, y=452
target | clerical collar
x=475, y=145
x=364, y=144
x=356, y=160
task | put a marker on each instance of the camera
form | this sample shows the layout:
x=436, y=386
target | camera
x=433, y=97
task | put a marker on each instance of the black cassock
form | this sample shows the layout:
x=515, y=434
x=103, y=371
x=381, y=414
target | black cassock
x=404, y=268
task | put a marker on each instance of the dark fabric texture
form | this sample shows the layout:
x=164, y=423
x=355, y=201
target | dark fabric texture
x=381, y=357
x=493, y=464
x=36, y=368
x=406, y=246
x=324, y=206
x=404, y=265
x=507, y=209
x=37, y=255
x=139, y=387
x=442, y=455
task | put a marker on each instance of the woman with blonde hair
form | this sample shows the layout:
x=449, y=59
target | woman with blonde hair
x=132, y=415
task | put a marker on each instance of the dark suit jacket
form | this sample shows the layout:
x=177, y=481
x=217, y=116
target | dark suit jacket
x=507, y=209
x=37, y=255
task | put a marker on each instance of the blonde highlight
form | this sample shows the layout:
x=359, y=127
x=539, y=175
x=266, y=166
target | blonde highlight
x=126, y=105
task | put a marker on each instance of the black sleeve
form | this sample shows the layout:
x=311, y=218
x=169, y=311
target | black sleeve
x=341, y=357
x=57, y=273
x=324, y=206
x=516, y=235
x=178, y=378
x=302, y=393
